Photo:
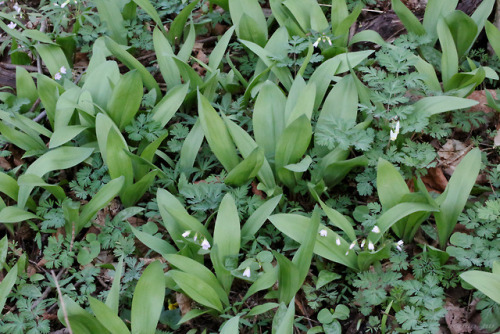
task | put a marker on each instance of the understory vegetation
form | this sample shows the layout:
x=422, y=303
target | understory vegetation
x=249, y=166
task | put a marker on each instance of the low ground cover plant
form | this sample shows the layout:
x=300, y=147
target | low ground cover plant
x=251, y=166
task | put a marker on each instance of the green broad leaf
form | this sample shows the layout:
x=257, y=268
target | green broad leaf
x=493, y=37
x=394, y=214
x=282, y=73
x=64, y=134
x=434, y=10
x=194, y=268
x=25, y=87
x=148, y=154
x=325, y=277
x=169, y=104
x=119, y=164
x=65, y=107
x=337, y=171
x=260, y=309
x=231, y=326
x=218, y=52
x=285, y=18
x=188, y=74
x=339, y=220
x=165, y=54
x=341, y=103
x=113, y=299
x=107, y=317
x=109, y=191
x=428, y=74
x=303, y=101
x=291, y=146
x=131, y=195
x=368, y=36
x=391, y=186
x=7, y=284
x=59, y=158
x=187, y=48
x=284, y=319
x=9, y=186
x=217, y=135
x=263, y=282
x=480, y=15
x=269, y=117
x=296, y=227
x=227, y=239
x=449, y=59
x=128, y=60
x=308, y=14
x=151, y=11
x=453, y=200
x=367, y=258
x=409, y=20
x=249, y=20
x=48, y=91
x=37, y=35
x=247, y=169
x=197, y=289
x=191, y=147
x=109, y=13
x=258, y=218
x=288, y=278
x=177, y=220
x=343, y=28
x=81, y=321
x=246, y=145
x=4, y=247
x=16, y=35
x=438, y=104
x=191, y=314
x=53, y=57
x=487, y=283
x=103, y=127
x=22, y=140
x=301, y=166
x=463, y=29
x=126, y=99
x=303, y=256
x=176, y=28
x=158, y=245
x=149, y=296
x=324, y=73
x=100, y=81
x=30, y=181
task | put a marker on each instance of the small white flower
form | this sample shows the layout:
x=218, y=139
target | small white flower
x=371, y=246
x=363, y=243
x=347, y=253
x=186, y=234
x=64, y=3
x=247, y=272
x=375, y=229
x=11, y=25
x=62, y=70
x=399, y=245
x=56, y=4
x=57, y=76
x=195, y=236
x=16, y=7
x=323, y=233
x=394, y=134
x=351, y=246
x=328, y=40
x=315, y=44
x=205, y=244
x=337, y=241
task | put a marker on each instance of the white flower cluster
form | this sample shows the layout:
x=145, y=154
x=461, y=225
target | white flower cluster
x=58, y=75
x=204, y=244
x=323, y=38
x=13, y=25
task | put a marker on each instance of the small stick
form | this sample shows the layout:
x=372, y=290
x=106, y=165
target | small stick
x=66, y=319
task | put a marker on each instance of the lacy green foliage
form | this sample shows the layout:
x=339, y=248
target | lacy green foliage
x=144, y=127
x=490, y=312
x=90, y=179
x=52, y=214
x=27, y=319
x=296, y=55
x=480, y=247
x=468, y=121
x=337, y=133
